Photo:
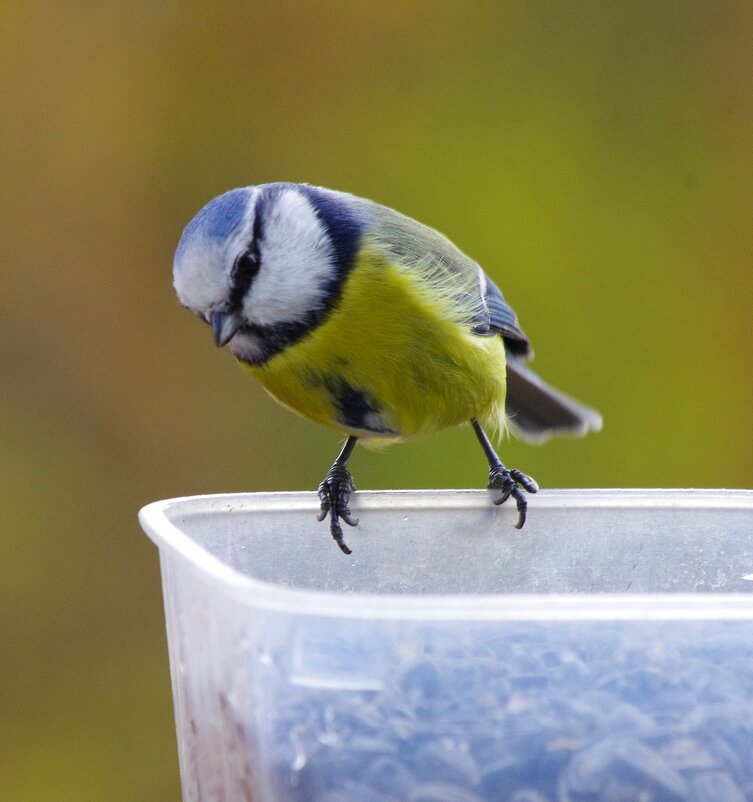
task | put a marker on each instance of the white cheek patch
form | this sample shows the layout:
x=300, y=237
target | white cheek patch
x=297, y=261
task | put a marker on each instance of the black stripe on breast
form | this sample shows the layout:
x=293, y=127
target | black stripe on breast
x=356, y=408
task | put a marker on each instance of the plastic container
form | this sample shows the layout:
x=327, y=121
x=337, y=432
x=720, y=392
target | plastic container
x=604, y=652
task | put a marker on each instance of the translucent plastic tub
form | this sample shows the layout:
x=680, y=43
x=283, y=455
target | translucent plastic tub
x=604, y=652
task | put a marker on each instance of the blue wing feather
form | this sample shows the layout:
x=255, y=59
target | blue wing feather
x=503, y=320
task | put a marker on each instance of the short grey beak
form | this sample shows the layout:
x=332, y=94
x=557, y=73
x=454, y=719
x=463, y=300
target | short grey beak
x=224, y=326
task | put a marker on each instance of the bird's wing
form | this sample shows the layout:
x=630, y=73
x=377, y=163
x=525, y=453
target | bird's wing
x=503, y=320
x=536, y=410
x=422, y=250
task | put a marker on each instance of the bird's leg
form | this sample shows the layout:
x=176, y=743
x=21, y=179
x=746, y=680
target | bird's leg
x=334, y=494
x=505, y=479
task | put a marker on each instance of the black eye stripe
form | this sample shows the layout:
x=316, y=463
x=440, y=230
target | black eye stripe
x=244, y=271
x=247, y=264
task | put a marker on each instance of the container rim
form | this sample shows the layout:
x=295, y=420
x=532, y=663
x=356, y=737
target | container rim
x=157, y=520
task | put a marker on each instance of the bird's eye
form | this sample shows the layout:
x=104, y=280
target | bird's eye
x=247, y=265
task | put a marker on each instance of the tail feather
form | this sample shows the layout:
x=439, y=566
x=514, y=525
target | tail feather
x=537, y=411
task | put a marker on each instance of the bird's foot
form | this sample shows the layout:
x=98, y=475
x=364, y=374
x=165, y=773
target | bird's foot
x=334, y=494
x=510, y=482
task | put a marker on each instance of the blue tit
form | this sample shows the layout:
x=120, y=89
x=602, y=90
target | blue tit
x=367, y=322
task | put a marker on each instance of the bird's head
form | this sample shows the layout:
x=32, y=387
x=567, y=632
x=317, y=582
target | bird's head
x=262, y=265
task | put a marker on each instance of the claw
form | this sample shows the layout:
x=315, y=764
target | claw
x=528, y=482
x=337, y=535
x=348, y=518
x=506, y=493
x=334, y=495
x=508, y=481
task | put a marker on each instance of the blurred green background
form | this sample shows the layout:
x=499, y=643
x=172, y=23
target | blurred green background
x=594, y=157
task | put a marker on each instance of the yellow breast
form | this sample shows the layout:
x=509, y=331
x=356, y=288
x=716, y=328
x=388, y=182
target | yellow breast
x=391, y=361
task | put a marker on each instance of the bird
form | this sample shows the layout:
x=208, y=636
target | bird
x=369, y=323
